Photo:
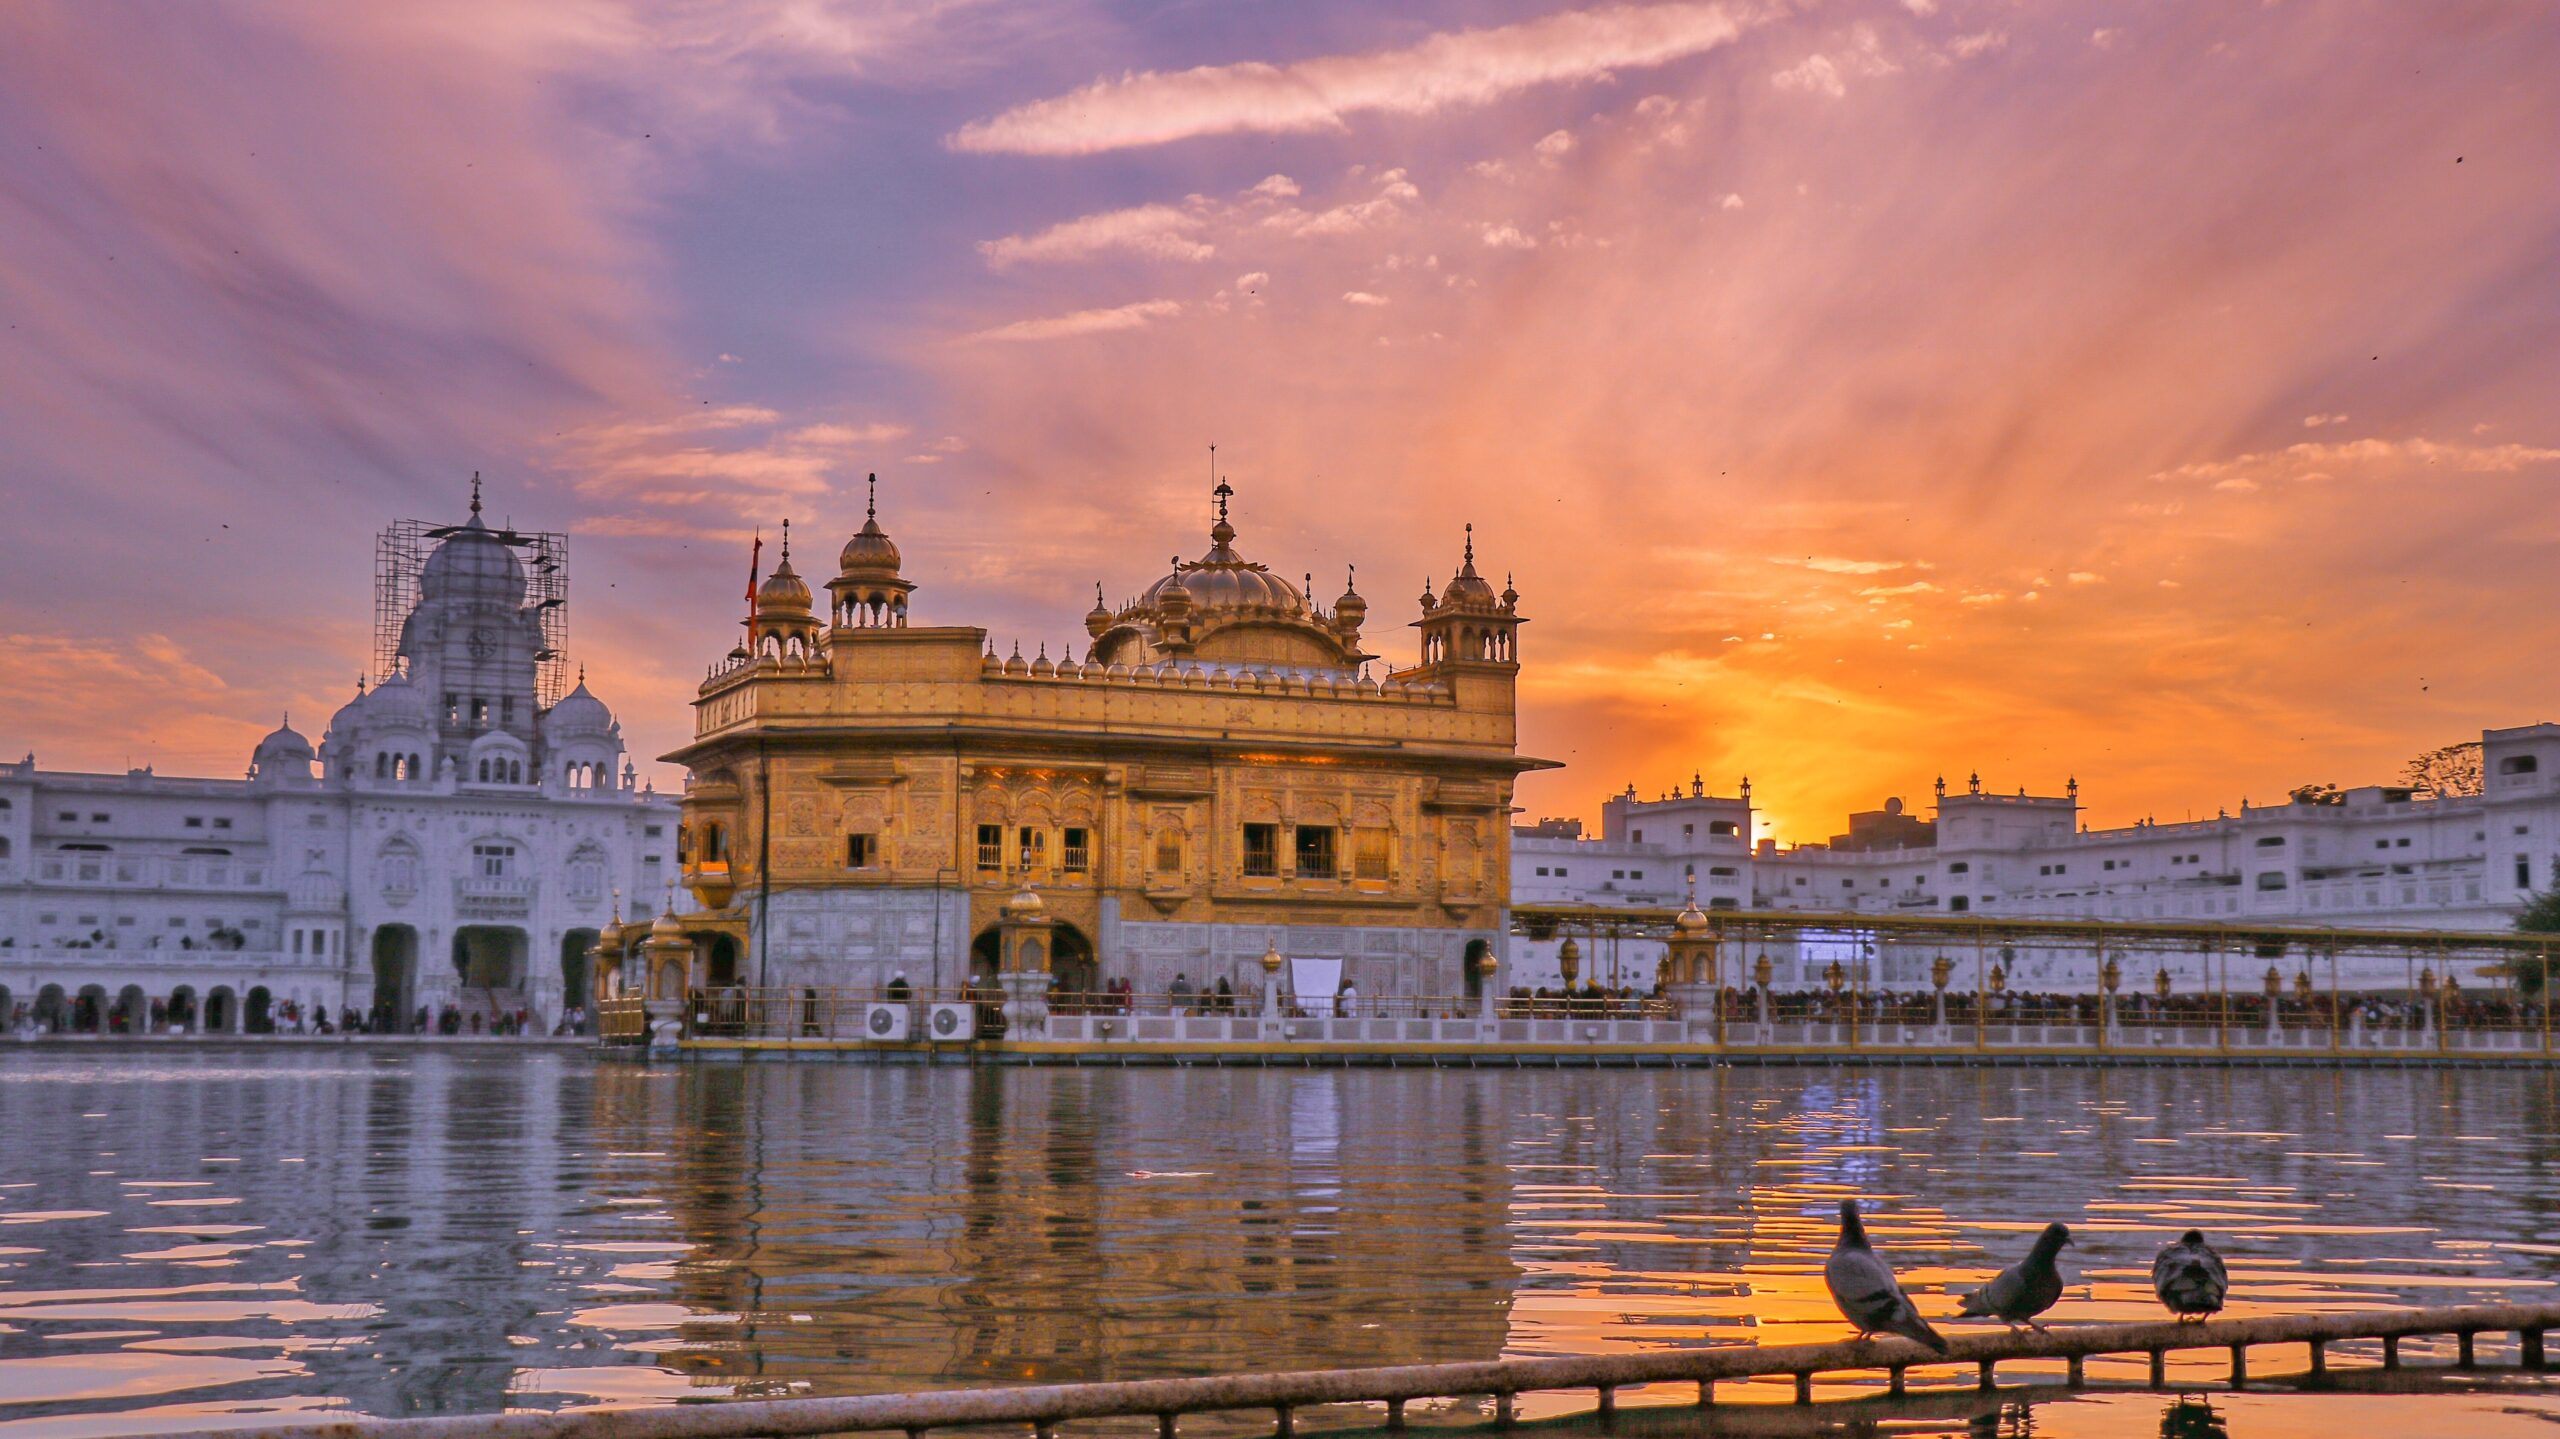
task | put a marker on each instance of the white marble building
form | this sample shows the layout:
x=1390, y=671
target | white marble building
x=2377, y=857
x=450, y=842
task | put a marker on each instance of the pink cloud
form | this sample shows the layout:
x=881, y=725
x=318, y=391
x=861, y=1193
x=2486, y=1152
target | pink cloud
x=1453, y=69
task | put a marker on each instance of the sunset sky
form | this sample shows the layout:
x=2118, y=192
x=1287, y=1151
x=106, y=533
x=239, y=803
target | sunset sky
x=2163, y=394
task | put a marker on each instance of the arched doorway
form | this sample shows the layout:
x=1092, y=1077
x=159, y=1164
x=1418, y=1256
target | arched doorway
x=260, y=1011
x=576, y=969
x=395, y=974
x=53, y=1010
x=221, y=1010
x=1470, y=970
x=489, y=956
x=986, y=958
x=1072, y=970
x=89, y=1011
x=8, y=1009
x=132, y=1007
x=182, y=1008
x=720, y=962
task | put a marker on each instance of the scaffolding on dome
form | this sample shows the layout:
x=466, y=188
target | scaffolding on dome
x=400, y=553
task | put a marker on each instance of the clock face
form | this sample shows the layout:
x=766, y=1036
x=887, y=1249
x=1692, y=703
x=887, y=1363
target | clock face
x=482, y=646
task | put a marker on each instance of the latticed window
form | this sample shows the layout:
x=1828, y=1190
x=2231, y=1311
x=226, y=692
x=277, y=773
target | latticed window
x=1075, y=850
x=1371, y=856
x=1169, y=852
x=1315, y=847
x=1262, y=850
x=1035, y=847
x=991, y=846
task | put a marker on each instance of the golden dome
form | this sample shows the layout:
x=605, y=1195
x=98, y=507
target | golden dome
x=1469, y=589
x=1026, y=906
x=666, y=926
x=1271, y=960
x=870, y=550
x=784, y=589
x=1691, y=921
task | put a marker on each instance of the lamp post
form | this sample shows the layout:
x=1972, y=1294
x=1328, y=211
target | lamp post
x=1271, y=962
x=2160, y=988
x=2426, y=1001
x=1940, y=970
x=1760, y=972
x=2452, y=993
x=1996, y=984
x=2274, y=985
x=2110, y=975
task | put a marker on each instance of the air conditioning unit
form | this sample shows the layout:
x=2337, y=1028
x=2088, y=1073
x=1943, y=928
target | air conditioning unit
x=887, y=1023
x=952, y=1022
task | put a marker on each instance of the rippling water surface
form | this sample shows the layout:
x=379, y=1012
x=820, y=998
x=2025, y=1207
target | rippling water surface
x=193, y=1237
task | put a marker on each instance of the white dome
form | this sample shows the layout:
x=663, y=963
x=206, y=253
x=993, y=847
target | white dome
x=473, y=564
x=285, y=743
x=315, y=890
x=578, y=713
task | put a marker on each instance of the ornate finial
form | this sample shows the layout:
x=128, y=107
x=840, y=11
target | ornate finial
x=582, y=675
x=871, y=507
x=1017, y=649
x=1351, y=577
x=1471, y=545
x=475, y=494
x=786, y=539
x=1044, y=649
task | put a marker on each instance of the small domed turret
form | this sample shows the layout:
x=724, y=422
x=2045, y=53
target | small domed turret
x=869, y=592
x=579, y=712
x=281, y=756
x=1097, y=621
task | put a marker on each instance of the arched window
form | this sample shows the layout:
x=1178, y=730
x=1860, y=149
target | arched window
x=382, y=764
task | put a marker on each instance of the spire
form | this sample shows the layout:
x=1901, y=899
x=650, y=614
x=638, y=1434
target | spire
x=871, y=507
x=1471, y=549
x=475, y=494
x=786, y=539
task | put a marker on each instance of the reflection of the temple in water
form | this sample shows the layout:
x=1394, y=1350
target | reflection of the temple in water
x=913, y=1229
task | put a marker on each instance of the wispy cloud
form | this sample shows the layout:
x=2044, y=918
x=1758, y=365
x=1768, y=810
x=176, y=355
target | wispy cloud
x=1151, y=232
x=2314, y=460
x=1449, y=70
x=1134, y=316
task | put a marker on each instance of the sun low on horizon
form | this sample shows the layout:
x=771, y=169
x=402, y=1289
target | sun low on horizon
x=2156, y=396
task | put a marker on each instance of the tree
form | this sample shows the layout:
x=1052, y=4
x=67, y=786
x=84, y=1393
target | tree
x=2541, y=916
x=2316, y=794
x=2448, y=773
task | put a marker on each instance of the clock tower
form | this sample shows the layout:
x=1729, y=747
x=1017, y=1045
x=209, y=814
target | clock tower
x=472, y=649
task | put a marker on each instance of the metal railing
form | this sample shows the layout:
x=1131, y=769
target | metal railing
x=1847, y=1022
x=1975, y=1354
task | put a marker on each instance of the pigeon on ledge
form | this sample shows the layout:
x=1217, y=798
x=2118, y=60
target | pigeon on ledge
x=1865, y=1289
x=2189, y=1278
x=2025, y=1289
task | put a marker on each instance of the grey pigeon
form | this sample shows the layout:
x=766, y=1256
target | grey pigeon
x=2025, y=1289
x=1864, y=1287
x=2189, y=1278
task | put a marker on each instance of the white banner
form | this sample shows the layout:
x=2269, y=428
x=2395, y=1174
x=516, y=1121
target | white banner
x=1313, y=981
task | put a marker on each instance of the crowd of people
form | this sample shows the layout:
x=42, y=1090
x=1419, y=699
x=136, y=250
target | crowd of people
x=290, y=1017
